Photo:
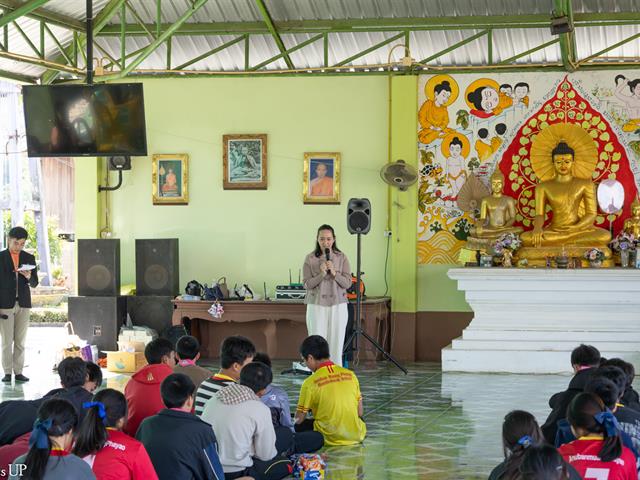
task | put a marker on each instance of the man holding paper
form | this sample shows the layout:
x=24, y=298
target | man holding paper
x=17, y=273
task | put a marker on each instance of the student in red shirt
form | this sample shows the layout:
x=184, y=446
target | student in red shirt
x=112, y=454
x=143, y=390
x=598, y=452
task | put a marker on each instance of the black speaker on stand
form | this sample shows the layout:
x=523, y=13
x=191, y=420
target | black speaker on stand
x=359, y=223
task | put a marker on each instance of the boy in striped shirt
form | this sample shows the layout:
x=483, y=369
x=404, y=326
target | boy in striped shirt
x=235, y=353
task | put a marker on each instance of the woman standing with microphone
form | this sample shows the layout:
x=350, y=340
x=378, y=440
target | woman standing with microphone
x=327, y=275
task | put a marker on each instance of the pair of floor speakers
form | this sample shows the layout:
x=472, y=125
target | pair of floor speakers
x=98, y=312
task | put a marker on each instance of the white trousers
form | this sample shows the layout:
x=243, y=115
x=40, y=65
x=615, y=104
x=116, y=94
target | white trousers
x=330, y=323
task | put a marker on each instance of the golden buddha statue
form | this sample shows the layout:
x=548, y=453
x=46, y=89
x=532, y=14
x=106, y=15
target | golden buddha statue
x=497, y=216
x=632, y=224
x=566, y=188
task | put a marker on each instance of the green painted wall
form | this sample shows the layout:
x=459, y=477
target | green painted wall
x=253, y=236
x=87, y=205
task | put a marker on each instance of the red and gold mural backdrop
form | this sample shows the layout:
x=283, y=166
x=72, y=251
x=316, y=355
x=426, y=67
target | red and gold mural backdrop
x=468, y=126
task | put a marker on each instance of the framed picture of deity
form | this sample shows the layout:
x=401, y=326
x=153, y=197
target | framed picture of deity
x=321, y=178
x=169, y=177
x=244, y=160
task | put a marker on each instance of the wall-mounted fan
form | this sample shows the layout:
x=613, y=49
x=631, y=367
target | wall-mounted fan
x=399, y=174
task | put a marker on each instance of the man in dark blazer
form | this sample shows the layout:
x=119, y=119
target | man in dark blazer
x=15, y=302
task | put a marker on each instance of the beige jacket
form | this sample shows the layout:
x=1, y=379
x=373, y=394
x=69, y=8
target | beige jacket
x=322, y=289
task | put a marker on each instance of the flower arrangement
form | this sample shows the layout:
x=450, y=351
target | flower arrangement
x=594, y=255
x=624, y=241
x=507, y=241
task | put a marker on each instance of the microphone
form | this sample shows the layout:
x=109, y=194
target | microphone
x=326, y=254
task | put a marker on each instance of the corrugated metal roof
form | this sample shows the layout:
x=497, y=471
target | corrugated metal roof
x=506, y=42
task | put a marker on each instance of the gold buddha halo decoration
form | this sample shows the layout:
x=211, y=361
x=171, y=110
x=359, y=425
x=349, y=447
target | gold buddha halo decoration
x=438, y=79
x=585, y=148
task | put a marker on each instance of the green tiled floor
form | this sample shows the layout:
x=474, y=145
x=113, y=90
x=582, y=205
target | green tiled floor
x=425, y=425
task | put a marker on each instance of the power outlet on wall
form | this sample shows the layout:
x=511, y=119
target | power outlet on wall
x=387, y=233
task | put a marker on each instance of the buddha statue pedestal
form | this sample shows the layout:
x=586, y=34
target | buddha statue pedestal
x=528, y=320
x=537, y=256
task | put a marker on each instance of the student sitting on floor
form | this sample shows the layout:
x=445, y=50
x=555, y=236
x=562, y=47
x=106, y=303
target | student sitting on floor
x=608, y=392
x=520, y=432
x=599, y=445
x=275, y=398
x=243, y=426
x=187, y=354
x=605, y=385
x=583, y=359
x=111, y=454
x=51, y=439
x=180, y=444
x=278, y=402
x=630, y=398
x=143, y=389
x=17, y=416
x=332, y=393
x=235, y=353
x=543, y=462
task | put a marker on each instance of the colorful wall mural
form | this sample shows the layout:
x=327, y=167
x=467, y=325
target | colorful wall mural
x=469, y=125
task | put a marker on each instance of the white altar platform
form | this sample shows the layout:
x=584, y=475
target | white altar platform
x=529, y=320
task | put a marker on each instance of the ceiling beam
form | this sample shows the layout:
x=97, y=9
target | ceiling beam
x=42, y=14
x=18, y=77
x=268, y=21
x=567, y=40
x=197, y=4
x=24, y=9
x=383, y=24
x=99, y=22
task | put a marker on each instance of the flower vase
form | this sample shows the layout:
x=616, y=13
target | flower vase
x=507, y=260
x=633, y=256
x=595, y=263
x=624, y=258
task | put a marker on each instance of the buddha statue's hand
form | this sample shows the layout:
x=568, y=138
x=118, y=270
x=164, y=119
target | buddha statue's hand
x=536, y=236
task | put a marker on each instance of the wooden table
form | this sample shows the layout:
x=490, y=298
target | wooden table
x=277, y=326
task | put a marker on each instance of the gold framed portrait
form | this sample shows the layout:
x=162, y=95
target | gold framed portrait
x=321, y=178
x=244, y=160
x=170, y=179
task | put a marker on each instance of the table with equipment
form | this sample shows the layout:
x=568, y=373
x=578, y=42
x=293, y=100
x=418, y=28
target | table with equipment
x=275, y=326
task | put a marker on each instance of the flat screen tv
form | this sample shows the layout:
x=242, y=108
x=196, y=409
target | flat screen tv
x=85, y=120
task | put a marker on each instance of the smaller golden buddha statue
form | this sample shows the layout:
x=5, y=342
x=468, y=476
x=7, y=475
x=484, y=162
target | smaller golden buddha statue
x=497, y=216
x=632, y=224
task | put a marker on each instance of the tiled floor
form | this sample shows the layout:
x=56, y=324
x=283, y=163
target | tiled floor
x=425, y=425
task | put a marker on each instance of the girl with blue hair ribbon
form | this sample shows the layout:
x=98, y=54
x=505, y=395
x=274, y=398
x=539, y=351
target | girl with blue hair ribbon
x=49, y=456
x=520, y=432
x=598, y=452
x=111, y=453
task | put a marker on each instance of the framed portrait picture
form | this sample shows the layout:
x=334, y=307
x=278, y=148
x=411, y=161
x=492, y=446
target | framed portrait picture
x=321, y=181
x=244, y=158
x=170, y=175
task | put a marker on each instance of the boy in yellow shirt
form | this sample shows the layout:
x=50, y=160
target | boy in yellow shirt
x=332, y=393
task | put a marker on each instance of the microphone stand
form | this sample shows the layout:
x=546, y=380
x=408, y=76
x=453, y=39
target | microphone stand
x=358, y=330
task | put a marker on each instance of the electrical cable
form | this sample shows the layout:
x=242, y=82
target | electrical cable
x=386, y=262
